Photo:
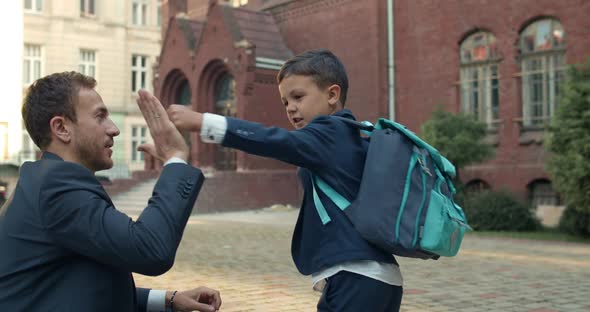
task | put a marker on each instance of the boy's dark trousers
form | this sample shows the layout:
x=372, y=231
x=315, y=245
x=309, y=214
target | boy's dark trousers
x=348, y=292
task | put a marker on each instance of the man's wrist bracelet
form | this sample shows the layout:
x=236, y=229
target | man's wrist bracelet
x=172, y=300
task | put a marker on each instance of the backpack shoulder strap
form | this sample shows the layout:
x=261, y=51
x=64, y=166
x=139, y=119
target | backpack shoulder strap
x=334, y=196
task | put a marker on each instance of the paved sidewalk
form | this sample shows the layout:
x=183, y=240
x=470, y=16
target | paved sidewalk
x=246, y=256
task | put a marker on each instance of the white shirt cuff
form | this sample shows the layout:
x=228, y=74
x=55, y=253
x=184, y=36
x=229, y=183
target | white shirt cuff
x=213, y=128
x=175, y=160
x=156, y=301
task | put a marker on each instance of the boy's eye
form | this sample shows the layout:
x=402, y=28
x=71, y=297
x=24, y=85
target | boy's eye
x=297, y=97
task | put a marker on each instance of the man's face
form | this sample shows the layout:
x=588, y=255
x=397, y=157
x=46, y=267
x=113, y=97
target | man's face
x=304, y=100
x=93, y=133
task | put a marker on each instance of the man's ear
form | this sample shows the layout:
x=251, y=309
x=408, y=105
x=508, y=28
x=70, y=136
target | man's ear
x=60, y=129
x=334, y=95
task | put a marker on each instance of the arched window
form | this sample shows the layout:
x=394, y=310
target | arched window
x=183, y=95
x=541, y=193
x=479, y=77
x=476, y=186
x=542, y=48
x=225, y=104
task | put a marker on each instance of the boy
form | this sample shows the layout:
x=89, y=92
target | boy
x=353, y=274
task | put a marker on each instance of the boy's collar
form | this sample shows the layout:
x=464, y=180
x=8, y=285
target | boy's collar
x=346, y=113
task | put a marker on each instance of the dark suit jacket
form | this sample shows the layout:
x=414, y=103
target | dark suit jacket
x=332, y=150
x=64, y=246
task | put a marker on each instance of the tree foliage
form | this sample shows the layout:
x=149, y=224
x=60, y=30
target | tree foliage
x=458, y=137
x=568, y=140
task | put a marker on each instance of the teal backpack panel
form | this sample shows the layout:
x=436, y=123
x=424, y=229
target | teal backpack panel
x=405, y=201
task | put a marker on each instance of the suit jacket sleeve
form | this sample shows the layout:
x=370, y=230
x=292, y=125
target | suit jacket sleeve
x=142, y=298
x=311, y=147
x=79, y=216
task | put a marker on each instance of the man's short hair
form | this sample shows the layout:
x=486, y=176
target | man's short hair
x=50, y=96
x=322, y=65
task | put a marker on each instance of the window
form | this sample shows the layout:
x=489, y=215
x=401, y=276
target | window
x=138, y=72
x=541, y=193
x=87, y=63
x=87, y=7
x=138, y=137
x=225, y=104
x=3, y=141
x=29, y=150
x=238, y=3
x=542, y=48
x=139, y=12
x=183, y=96
x=159, y=15
x=32, y=63
x=34, y=6
x=479, y=77
x=476, y=186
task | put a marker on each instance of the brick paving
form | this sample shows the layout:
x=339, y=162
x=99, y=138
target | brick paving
x=247, y=257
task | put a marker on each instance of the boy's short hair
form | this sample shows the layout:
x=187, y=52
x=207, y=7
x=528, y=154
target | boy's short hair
x=322, y=65
x=50, y=96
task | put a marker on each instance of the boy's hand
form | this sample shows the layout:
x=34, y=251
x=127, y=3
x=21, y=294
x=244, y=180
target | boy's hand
x=184, y=118
x=168, y=142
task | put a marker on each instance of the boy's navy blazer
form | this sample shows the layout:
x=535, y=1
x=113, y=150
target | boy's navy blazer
x=334, y=151
x=64, y=246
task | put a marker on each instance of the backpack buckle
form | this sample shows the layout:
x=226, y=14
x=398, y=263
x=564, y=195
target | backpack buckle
x=422, y=163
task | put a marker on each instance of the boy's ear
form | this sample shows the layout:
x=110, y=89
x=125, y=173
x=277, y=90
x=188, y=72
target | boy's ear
x=60, y=129
x=334, y=95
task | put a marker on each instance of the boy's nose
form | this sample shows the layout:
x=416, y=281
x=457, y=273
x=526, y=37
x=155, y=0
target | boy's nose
x=291, y=107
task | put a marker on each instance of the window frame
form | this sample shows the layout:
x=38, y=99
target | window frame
x=36, y=6
x=85, y=8
x=486, y=85
x=137, y=71
x=541, y=85
x=84, y=64
x=140, y=137
x=32, y=59
x=139, y=13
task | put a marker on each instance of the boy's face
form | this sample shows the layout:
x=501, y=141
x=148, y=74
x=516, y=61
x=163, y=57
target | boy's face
x=304, y=100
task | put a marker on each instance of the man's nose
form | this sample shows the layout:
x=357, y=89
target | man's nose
x=113, y=130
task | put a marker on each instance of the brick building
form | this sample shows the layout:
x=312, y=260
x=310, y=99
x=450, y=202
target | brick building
x=501, y=61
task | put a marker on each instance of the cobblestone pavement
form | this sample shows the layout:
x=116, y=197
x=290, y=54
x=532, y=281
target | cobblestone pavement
x=247, y=257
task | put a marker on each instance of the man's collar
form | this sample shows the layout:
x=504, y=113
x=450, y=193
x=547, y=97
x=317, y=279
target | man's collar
x=49, y=155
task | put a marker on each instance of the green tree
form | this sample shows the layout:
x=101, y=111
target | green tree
x=458, y=137
x=568, y=141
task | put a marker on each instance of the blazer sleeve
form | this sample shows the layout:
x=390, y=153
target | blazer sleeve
x=311, y=147
x=79, y=216
x=142, y=299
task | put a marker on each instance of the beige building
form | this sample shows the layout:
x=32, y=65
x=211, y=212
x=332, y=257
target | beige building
x=116, y=41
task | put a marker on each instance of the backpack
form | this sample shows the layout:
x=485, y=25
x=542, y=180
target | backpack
x=405, y=201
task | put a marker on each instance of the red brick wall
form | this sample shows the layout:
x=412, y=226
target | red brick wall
x=231, y=191
x=258, y=182
x=355, y=31
x=428, y=34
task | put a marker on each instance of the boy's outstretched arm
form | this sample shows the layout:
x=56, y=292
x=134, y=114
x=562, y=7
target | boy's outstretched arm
x=311, y=147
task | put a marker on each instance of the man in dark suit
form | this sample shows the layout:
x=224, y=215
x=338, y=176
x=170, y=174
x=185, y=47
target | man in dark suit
x=63, y=245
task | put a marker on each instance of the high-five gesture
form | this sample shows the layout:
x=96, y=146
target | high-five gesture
x=168, y=142
x=184, y=118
